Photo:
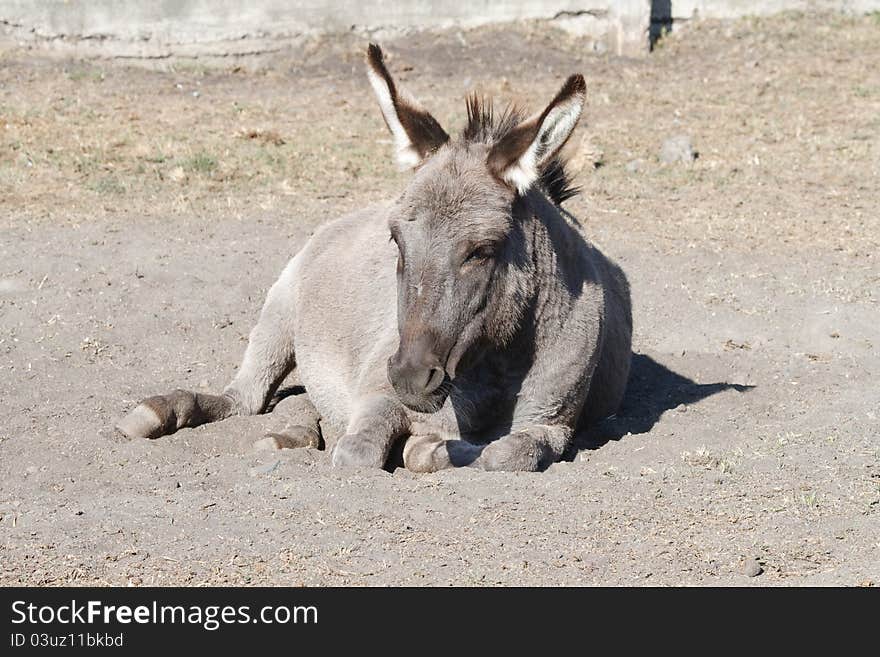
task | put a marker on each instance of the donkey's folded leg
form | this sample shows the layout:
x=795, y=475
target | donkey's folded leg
x=163, y=414
x=299, y=425
x=291, y=437
x=430, y=453
x=377, y=422
x=532, y=448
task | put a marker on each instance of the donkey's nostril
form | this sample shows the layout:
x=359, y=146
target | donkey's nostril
x=435, y=378
x=414, y=378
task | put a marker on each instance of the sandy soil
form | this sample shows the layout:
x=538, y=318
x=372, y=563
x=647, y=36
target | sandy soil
x=144, y=214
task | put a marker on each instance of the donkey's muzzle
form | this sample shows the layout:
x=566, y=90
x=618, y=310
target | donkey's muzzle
x=418, y=380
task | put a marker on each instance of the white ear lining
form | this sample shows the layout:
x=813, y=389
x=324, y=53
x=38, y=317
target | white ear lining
x=405, y=153
x=554, y=130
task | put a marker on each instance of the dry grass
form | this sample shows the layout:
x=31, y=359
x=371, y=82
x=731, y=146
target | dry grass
x=104, y=139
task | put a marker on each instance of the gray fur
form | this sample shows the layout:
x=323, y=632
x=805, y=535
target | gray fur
x=484, y=336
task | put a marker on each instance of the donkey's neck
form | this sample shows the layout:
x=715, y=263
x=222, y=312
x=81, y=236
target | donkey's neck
x=553, y=276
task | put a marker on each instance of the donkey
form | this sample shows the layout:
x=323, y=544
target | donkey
x=511, y=330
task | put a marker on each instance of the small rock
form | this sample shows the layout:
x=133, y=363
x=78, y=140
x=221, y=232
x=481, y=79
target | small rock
x=677, y=149
x=751, y=568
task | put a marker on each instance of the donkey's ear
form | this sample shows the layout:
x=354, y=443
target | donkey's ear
x=416, y=133
x=520, y=155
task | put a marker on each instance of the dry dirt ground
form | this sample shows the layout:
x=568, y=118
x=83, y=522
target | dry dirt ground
x=145, y=212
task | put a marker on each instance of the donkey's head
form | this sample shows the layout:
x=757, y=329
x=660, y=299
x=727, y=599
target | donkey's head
x=462, y=280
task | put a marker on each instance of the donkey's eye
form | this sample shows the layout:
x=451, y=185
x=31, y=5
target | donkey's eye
x=479, y=255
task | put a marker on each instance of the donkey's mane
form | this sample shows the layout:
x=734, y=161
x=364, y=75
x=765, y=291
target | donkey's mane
x=484, y=126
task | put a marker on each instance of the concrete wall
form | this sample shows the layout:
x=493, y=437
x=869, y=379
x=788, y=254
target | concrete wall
x=163, y=28
x=689, y=9
x=158, y=28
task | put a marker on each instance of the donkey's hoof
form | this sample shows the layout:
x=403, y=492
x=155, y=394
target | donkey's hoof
x=430, y=453
x=516, y=452
x=290, y=438
x=353, y=450
x=425, y=454
x=143, y=422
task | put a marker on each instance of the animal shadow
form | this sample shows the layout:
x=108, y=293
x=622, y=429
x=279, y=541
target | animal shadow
x=652, y=390
x=661, y=21
x=293, y=390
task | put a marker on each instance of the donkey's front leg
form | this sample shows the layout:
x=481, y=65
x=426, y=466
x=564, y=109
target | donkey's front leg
x=532, y=448
x=377, y=421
